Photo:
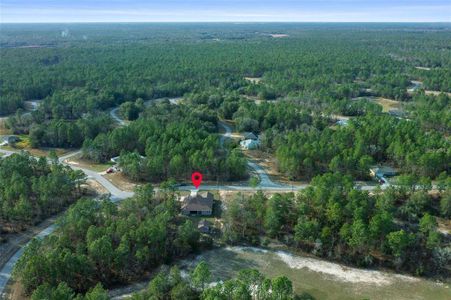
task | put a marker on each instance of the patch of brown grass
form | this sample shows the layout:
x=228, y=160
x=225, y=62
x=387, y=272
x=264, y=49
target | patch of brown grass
x=121, y=181
x=15, y=291
x=46, y=151
x=84, y=163
x=436, y=93
x=444, y=225
x=388, y=104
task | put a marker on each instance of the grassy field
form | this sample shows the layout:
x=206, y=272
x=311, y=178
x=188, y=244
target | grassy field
x=388, y=104
x=80, y=162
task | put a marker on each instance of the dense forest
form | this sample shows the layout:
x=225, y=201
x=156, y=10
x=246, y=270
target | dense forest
x=395, y=228
x=314, y=61
x=32, y=189
x=97, y=241
x=327, y=101
x=175, y=139
x=313, y=74
x=353, y=149
x=305, y=145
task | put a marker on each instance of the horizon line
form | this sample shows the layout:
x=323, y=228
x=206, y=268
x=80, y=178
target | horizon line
x=237, y=22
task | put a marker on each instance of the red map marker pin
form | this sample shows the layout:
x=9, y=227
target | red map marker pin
x=196, y=178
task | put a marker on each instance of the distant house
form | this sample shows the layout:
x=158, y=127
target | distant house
x=9, y=140
x=342, y=122
x=383, y=171
x=250, y=144
x=204, y=226
x=197, y=204
x=249, y=136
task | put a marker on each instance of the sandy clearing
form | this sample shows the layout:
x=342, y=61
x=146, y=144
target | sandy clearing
x=436, y=93
x=86, y=164
x=423, y=68
x=253, y=79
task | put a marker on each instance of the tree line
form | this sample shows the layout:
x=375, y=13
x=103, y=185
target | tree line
x=366, y=140
x=396, y=228
x=32, y=189
x=248, y=284
x=170, y=284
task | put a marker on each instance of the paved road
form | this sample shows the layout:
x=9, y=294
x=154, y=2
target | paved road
x=5, y=272
x=116, y=194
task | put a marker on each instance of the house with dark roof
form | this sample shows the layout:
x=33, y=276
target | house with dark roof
x=197, y=204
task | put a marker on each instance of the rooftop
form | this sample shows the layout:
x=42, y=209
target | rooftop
x=197, y=202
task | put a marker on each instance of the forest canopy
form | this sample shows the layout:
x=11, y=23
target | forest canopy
x=31, y=190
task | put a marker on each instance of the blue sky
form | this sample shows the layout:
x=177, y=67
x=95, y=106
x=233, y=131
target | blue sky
x=23, y=11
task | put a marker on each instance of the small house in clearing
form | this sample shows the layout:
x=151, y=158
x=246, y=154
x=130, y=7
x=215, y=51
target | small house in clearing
x=250, y=144
x=197, y=204
x=382, y=171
